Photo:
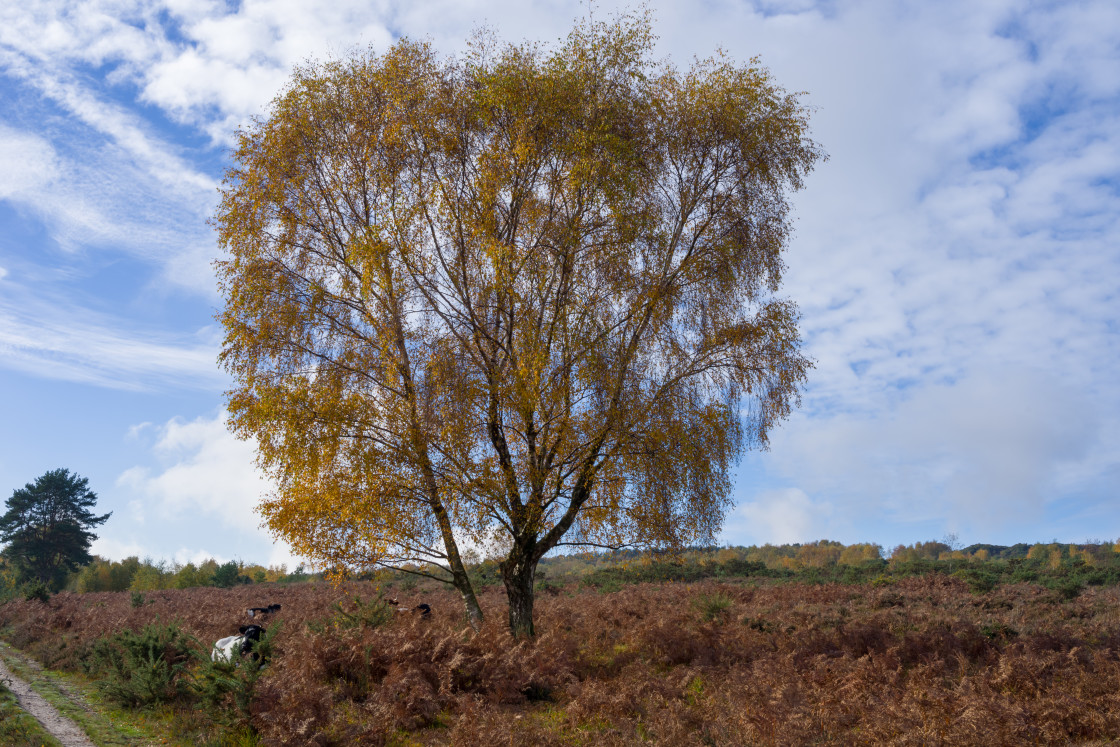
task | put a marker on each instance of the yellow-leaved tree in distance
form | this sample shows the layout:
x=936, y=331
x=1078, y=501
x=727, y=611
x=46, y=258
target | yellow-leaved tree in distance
x=525, y=296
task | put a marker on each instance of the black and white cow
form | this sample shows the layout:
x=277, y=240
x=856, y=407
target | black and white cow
x=231, y=648
x=423, y=610
x=254, y=611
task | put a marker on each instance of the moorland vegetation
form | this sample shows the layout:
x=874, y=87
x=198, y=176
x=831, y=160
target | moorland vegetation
x=793, y=644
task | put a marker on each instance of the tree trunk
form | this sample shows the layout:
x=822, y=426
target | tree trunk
x=474, y=611
x=518, y=573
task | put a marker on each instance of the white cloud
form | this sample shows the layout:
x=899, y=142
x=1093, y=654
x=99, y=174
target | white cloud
x=114, y=549
x=207, y=470
x=779, y=517
x=282, y=555
x=72, y=344
x=27, y=162
x=983, y=452
x=955, y=261
x=205, y=477
x=204, y=63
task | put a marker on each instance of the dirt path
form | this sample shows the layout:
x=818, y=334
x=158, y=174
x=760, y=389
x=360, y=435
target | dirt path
x=63, y=729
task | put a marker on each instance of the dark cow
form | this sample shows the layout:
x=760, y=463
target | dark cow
x=254, y=611
x=423, y=610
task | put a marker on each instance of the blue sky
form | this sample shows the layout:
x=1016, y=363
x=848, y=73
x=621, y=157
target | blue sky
x=956, y=260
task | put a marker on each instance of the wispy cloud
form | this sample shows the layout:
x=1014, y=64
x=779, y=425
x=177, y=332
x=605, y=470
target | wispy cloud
x=56, y=341
x=956, y=260
x=80, y=97
x=27, y=162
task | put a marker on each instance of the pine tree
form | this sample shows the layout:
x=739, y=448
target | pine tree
x=47, y=527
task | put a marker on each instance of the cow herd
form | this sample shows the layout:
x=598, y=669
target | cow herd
x=232, y=648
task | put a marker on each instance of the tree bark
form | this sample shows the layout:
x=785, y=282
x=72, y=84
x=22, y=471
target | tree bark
x=519, y=571
x=474, y=611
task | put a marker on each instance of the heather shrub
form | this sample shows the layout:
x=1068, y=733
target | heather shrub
x=922, y=660
x=61, y=651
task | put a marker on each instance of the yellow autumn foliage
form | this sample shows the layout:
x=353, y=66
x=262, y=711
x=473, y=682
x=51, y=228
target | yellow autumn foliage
x=521, y=299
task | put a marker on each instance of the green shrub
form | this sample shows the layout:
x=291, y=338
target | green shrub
x=226, y=689
x=548, y=587
x=740, y=567
x=1069, y=588
x=1024, y=571
x=486, y=573
x=356, y=614
x=33, y=590
x=979, y=581
x=137, y=669
x=605, y=580
x=713, y=607
x=299, y=575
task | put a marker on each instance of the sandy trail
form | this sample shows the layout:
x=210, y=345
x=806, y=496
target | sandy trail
x=63, y=729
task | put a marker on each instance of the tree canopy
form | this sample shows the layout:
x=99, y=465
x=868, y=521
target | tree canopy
x=47, y=527
x=517, y=300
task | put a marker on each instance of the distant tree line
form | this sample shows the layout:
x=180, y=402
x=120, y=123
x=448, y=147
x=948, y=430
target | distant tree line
x=1065, y=567
x=1062, y=567
x=134, y=574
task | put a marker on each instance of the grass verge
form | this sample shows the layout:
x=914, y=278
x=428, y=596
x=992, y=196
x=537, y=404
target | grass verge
x=74, y=697
x=18, y=728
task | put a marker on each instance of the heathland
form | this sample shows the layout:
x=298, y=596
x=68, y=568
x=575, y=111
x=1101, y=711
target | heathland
x=793, y=645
